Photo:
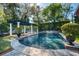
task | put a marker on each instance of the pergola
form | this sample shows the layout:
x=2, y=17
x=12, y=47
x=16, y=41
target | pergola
x=21, y=22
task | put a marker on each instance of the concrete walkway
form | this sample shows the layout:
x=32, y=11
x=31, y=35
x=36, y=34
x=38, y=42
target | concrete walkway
x=21, y=50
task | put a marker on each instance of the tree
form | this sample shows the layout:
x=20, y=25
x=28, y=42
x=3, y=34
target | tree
x=57, y=12
x=2, y=14
x=53, y=12
x=11, y=10
x=3, y=22
x=35, y=11
x=25, y=11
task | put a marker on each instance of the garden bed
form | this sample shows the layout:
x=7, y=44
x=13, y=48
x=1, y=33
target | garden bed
x=5, y=44
x=6, y=51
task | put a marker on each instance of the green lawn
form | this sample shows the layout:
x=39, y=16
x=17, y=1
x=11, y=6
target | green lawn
x=5, y=43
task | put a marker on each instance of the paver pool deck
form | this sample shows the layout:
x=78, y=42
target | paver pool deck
x=21, y=50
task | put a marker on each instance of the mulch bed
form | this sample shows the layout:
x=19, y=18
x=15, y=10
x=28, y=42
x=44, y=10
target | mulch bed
x=6, y=51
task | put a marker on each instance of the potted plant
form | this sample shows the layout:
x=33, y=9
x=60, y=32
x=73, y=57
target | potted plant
x=18, y=31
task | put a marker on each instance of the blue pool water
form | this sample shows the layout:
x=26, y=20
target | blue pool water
x=44, y=40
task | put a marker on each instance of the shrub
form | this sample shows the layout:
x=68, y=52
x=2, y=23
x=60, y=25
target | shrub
x=70, y=30
x=18, y=30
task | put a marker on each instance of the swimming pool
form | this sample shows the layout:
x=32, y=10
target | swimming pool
x=44, y=40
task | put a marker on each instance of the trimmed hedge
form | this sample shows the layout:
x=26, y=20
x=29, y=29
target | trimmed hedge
x=70, y=28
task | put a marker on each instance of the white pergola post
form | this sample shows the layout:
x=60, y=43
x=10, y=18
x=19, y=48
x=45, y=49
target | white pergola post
x=31, y=28
x=10, y=29
x=18, y=24
x=37, y=30
x=31, y=21
x=24, y=30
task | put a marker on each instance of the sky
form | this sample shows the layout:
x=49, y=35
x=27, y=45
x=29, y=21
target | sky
x=43, y=5
x=75, y=6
